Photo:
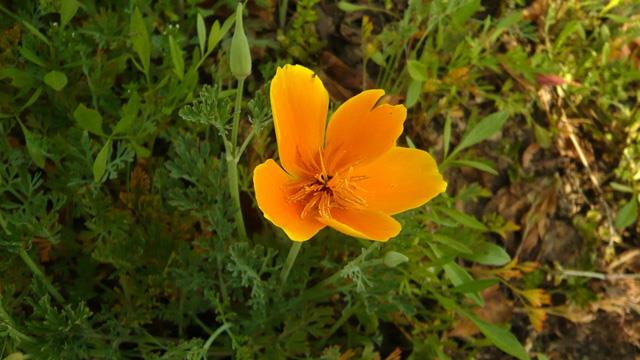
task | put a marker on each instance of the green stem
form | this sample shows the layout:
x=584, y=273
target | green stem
x=236, y=114
x=284, y=5
x=35, y=269
x=288, y=264
x=232, y=163
x=212, y=338
x=232, y=170
x=346, y=314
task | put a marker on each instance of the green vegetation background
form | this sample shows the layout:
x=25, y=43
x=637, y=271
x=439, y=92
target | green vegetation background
x=117, y=229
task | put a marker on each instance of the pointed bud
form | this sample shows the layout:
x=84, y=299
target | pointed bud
x=240, y=55
x=393, y=259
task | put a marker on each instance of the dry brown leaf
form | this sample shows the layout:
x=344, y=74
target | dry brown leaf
x=534, y=11
x=528, y=154
x=396, y=354
x=44, y=249
x=537, y=218
x=347, y=77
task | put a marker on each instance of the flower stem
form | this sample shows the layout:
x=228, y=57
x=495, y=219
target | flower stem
x=232, y=173
x=288, y=264
x=35, y=269
x=236, y=113
x=232, y=163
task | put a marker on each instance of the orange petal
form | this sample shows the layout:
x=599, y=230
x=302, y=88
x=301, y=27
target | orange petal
x=399, y=180
x=272, y=186
x=359, y=131
x=365, y=224
x=299, y=103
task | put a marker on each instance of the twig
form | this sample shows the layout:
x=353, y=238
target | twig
x=35, y=269
x=574, y=140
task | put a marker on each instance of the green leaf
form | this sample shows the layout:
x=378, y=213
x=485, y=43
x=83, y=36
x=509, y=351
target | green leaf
x=621, y=187
x=140, y=39
x=141, y=151
x=572, y=27
x=452, y=243
x=32, y=99
x=36, y=32
x=32, y=56
x=348, y=7
x=34, y=147
x=19, y=78
x=68, y=9
x=214, y=36
x=56, y=80
x=410, y=142
x=100, y=165
x=129, y=114
x=417, y=70
x=475, y=285
x=543, y=136
x=202, y=33
x=456, y=274
x=447, y=136
x=88, y=119
x=628, y=214
x=378, y=58
x=476, y=165
x=483, y=130
x=504, y=24
x=413, y=93
x=176, y=58
x=487, y=253
x=464, y=12
x=217, y=33
x=502, y=338
x=464, y=219
x=458, y=277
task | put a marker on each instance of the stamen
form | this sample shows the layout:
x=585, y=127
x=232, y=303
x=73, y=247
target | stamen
x=324, y=192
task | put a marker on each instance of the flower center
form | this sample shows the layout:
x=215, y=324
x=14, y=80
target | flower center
x=324, y=192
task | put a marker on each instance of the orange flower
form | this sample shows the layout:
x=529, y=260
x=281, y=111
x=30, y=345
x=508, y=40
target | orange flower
x=351, y=177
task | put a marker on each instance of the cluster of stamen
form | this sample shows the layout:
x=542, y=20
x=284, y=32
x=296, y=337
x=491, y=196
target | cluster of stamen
x=324, y=192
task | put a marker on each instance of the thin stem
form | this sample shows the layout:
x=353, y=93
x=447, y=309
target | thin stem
x=288, y=264
x=223, y=286
x=212, y=338
x=245, y=143
x=346, y=314
x=232, y=163
x=35, y=269
x=236, y=113
x=284, y=5
x=232, y=170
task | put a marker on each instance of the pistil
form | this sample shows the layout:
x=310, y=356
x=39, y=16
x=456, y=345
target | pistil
x=324, y=192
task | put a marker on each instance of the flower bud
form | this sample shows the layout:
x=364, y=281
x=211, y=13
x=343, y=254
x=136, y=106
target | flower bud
x=239, y=54
x=393, y=259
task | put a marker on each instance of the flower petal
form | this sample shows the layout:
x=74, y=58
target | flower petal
x=299, y=103
x=272, y=188
x=399, y=180
x=365, y=224
x=359, y=131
